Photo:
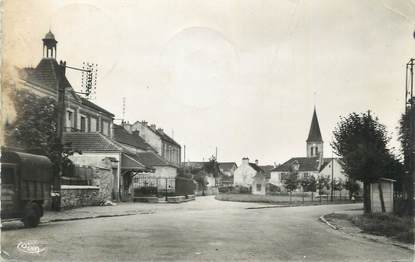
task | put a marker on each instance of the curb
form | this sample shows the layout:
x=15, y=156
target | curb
x=368, y=236
x=93, y=217
x=322, y=219
x=263, y=207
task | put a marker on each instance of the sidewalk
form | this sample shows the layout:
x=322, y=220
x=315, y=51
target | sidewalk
x=121, y=209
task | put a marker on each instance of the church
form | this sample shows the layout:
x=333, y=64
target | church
x=314, y=164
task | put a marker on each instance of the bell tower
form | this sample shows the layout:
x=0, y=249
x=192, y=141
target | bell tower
x=314, y=140
x=49, y=45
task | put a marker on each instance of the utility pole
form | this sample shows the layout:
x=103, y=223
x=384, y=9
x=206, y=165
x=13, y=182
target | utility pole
x=332, y=176
x=184, y=155
x=56, y=200
x=410, y=113
x=60, y=123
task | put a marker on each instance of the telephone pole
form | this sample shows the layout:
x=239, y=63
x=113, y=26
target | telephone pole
x=410, y=114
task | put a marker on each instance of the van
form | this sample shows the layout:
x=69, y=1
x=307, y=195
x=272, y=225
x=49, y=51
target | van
x=26, y=181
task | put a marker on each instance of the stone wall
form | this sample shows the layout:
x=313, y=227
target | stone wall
x=79, y=196
x=103, y=176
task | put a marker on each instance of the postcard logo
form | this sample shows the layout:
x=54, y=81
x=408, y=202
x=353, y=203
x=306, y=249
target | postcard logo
x=30, y=247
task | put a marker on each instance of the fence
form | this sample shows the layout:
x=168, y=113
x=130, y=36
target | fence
x=284, y=199
x=161, y=186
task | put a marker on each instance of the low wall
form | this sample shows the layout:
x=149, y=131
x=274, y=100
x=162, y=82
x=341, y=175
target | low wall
x=79, y=196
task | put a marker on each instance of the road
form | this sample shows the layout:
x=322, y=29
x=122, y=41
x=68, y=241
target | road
x=205, y=229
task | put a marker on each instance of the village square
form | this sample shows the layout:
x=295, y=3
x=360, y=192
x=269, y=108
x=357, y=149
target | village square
x=87, y=179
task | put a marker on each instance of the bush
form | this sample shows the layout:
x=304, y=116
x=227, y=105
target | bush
x=273, y=188
x=228, y=189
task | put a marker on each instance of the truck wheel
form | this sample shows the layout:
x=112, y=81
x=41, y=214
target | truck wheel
x=31, y=215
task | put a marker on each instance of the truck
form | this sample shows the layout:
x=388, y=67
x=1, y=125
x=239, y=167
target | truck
x=26, y=181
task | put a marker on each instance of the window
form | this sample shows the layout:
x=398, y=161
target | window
x=93, y=127
x=305, y=175
x=258, y=187
x=70, y=120
x=283, y=176
x=105, y=128
x=316, y=150
x=83, y=123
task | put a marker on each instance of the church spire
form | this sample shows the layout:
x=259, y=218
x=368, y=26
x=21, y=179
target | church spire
x=314, y=135
x=314, y=140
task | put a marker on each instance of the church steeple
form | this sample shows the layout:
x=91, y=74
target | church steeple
x=314, y=140
x=49, y=45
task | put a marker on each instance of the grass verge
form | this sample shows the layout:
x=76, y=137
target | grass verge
x=389, y=225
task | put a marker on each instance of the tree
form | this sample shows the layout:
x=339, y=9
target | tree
x=212, y=167
x=323, y=182
x=201, y=179
x=407, y=179
x=35, y=129
x=362, y=143
x=338, y=185
x=308, y=183
x=352, y=186
x=291, y=182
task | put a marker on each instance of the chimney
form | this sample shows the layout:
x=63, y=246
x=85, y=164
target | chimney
x=144, y=123
x=160, y=130
x=245, y=161
x=153, y=126
x=127, y=127
x=256, y=162
x=136, y=133
x=63, y=67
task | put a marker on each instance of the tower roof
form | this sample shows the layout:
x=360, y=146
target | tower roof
x=49, y=35
x=314, y=135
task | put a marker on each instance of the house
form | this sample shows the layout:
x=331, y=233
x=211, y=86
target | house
x=87, y=127
x=81, y=115
x=314, y=164
x=303, y=166
x=131, y=141
x=163, y=178
x=95, y=147
x=250, y=175
x=163, y=173
x=228, y=168
x=164, y=145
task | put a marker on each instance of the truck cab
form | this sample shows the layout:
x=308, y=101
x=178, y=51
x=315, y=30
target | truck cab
x=25, y=186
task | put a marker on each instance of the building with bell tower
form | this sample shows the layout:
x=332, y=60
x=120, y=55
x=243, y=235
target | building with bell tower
x=314, y=140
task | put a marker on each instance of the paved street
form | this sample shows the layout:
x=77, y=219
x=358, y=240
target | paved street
x=205, y=229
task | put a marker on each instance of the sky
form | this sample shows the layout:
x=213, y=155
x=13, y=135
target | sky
x=242, y=76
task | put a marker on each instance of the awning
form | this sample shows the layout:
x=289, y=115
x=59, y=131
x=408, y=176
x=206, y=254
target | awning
x=129, y=163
